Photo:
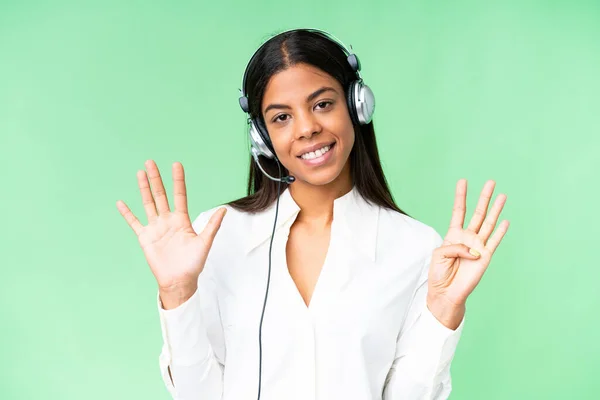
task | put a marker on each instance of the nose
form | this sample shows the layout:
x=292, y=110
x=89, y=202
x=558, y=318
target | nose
x=307, y=125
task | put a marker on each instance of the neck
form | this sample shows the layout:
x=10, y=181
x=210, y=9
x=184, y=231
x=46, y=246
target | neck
x=316, y=201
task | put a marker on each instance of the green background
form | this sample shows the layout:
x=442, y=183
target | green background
x=90, y=90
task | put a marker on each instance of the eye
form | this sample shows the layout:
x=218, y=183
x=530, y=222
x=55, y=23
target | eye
x=324, y=104
x=280, y=119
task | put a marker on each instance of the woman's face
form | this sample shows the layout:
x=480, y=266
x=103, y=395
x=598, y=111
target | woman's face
x=307, y=118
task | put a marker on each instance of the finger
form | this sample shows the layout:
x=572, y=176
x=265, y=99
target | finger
x=458, y=250
x=492, y=218
x=147, y=199
x=460, y=201
x=133, y=222
x=158, y=189
x=482, y=206
x=179, y=189
x=213, y=225
x=494, y=241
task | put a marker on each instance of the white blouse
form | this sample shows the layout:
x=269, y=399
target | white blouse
x=366, y=334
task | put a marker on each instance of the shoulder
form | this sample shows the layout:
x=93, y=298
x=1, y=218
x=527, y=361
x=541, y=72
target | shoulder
x=236, y=230
x=400, y=232
x=233, y=218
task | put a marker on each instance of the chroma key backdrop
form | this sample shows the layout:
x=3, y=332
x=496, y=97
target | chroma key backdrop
x=504, y=90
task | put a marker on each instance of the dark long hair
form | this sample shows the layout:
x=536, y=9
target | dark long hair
x=313, y=48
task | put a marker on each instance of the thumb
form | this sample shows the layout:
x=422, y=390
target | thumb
x=212, y=227
x=457, y=250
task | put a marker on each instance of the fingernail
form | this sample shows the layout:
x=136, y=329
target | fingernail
x=474, y=252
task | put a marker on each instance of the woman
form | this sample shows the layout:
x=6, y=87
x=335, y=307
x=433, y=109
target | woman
x=364, y=301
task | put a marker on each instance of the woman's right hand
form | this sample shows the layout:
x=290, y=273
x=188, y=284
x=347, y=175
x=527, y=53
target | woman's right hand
x=175, y=253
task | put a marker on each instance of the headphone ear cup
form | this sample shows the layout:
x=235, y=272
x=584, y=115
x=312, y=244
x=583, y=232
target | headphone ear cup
x=259, y=139
x=364, y=103
x=350, y=100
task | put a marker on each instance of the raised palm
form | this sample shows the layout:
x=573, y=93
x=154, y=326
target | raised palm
x=175, y=253
x=454, y=272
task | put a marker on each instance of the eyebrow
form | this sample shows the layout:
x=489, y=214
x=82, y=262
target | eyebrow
x=310, y=97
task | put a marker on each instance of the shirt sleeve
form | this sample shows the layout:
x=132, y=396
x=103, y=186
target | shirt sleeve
x=193, y=345
x=424, y=350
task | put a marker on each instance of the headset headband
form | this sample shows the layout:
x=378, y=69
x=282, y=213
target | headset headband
x=318, y=31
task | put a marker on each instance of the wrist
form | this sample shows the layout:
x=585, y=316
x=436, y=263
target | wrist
x=447, y=313
x=175, y=295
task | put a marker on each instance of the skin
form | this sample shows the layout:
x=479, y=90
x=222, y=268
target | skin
x=176, y=253
x=303, y=106
x=305, y=115
x=298, y=122
x=297, y=114
x=454, y=271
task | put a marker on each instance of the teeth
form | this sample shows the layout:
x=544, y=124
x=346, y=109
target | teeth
x=315, y=154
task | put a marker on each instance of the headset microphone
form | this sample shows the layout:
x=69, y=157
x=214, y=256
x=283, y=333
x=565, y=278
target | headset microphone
x=286, y=179
x=359, y=97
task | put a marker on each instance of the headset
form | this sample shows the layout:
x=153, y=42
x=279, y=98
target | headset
x=361, y=106
x=360, y=101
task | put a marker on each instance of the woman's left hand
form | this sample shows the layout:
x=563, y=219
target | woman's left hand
x=454, y=272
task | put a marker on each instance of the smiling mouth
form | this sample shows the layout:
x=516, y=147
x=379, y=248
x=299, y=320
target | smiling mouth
x=317, y=153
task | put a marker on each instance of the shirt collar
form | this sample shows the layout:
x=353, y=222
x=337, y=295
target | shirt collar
x=357, y=221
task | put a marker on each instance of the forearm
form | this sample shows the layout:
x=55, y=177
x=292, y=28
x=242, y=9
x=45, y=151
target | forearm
x=424, y=352
x=187, y=353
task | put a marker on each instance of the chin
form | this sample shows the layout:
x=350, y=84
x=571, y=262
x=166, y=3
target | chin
x=317, y=181
x=319, y=177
